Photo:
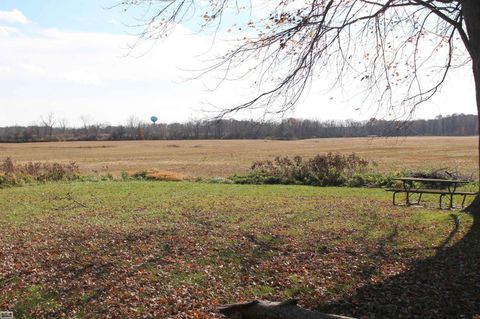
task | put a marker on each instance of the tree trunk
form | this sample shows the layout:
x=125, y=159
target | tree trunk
x=471, y=12
x=273, y=310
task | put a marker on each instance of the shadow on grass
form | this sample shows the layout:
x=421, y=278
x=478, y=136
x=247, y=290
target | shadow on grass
x=446, y=285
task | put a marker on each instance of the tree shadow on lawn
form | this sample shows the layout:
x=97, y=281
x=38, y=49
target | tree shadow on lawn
x=446, y=285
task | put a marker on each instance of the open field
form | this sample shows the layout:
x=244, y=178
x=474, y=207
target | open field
x=177, y=250
x=223, y=158
x=145, y=249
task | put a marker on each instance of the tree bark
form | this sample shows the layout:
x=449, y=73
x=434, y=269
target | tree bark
x=471, y=13
x=273, y=310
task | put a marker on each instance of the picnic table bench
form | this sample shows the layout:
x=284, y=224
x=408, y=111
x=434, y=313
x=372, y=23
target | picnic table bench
x=447, y=187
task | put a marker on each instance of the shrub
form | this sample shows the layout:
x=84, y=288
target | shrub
x=107, y=177
x=372, y=180
x=332, y=169
x=4, y=180
x=140, y=175
x=441, y=173
x=357, y=180
x=12, y=173
x=260, y=177
x=8, y=167
x=214, y=180
x=125, y=176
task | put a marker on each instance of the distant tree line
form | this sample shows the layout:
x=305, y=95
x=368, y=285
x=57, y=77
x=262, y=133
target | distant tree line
x=134, y=129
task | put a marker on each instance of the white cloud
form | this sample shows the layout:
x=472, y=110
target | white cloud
x=95, y=58
x=15, y=17
x=32, y=68
x=76, y=73
x=6, y=31
x=82, y=76
x=5, y=69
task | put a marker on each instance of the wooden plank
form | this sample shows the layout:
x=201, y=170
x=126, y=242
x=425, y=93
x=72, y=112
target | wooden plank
x=417, y=191
x=430, y=180
x=465, y=193
x=429, y=191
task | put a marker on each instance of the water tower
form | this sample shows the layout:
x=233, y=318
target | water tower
x=154, y=119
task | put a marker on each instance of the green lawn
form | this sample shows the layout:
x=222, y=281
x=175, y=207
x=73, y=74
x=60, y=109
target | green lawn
x=176, y=250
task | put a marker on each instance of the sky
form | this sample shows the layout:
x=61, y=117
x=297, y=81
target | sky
x=72, y=59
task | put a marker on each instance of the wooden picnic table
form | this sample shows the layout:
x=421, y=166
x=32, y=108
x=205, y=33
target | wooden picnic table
x=448, y=187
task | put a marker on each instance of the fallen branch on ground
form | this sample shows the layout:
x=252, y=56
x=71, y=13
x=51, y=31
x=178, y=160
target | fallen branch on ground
x=272, y=310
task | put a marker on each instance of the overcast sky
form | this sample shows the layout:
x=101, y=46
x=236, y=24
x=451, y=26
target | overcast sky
x=71, y=58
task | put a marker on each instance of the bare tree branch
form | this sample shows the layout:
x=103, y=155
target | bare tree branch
x=390, y=45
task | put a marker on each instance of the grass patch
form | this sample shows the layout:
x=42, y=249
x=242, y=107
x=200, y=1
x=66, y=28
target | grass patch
x=173, y=249
x=35, y=301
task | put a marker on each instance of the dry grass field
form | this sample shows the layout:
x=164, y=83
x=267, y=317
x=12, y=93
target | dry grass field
x=223, y=158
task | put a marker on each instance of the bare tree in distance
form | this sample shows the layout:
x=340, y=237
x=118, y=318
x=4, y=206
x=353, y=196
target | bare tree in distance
x=63, y=124
x=398, y=51
x=48, y=122
x=86, y=121
x=134, y=126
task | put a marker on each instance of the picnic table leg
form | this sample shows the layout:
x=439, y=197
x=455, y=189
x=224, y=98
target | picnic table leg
x=452, y=191
x=419, y=198
x=407, y=186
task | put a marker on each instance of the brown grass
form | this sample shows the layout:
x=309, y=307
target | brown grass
x=223, y=158
x=166, y=176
